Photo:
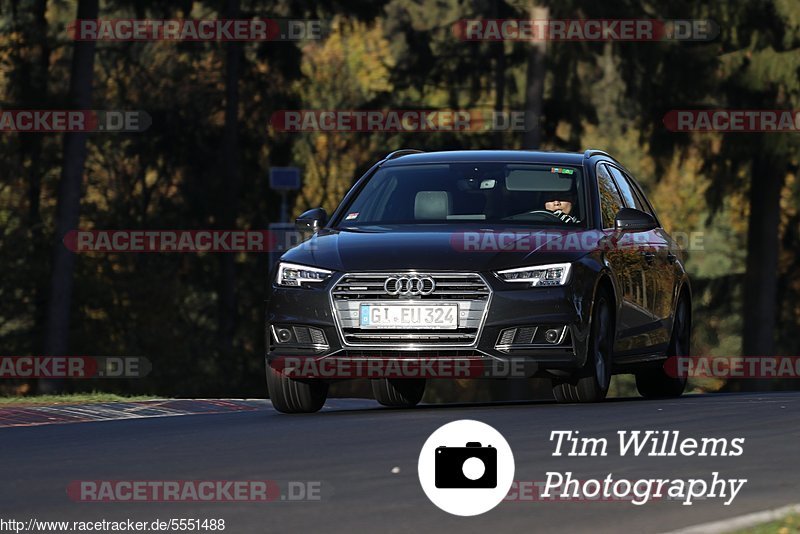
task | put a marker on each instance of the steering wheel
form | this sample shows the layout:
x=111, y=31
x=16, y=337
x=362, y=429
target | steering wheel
x=545, y=212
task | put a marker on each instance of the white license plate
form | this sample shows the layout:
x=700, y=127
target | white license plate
x=438, y=316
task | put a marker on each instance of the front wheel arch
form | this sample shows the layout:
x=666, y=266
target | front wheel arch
x=584, y=385
x=604, y=284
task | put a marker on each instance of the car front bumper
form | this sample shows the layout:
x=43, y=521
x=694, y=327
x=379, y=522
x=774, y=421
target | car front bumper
x=508, y=307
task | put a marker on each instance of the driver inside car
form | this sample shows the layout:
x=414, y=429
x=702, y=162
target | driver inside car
x=560, y=204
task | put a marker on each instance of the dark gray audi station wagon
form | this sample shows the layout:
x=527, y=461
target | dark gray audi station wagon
x=554, y=259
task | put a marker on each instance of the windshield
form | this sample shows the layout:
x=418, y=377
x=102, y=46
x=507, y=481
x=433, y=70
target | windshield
x=505, y=193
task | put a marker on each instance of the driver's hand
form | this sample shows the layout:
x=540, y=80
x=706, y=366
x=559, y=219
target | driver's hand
x=567, y=218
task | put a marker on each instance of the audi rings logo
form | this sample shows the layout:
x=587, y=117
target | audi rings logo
x=409, y=285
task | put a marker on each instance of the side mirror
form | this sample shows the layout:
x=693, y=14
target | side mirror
x=311, y=220
x=633, y=220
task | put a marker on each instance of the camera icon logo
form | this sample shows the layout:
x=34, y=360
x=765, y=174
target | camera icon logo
x=472, y=466
x=466, y=467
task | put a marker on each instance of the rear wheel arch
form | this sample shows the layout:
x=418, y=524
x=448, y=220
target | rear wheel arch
x=684, y=290
x=684, y=293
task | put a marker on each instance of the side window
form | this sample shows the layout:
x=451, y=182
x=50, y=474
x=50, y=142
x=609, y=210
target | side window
x=631, y=192
x=631, y=200
x=610, y=200
x=642, y=200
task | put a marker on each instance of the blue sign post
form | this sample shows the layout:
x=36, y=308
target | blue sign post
x=284, y=179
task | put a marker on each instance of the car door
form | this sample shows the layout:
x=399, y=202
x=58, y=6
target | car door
x=652, y=247
x=627, y=264
x=665, y=271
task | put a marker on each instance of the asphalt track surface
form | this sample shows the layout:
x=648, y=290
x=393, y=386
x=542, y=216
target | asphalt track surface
x=353, y=446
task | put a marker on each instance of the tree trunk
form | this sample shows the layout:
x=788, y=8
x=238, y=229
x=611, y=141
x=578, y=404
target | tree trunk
x=231, y=187
x=499, y=52
x=56, y=340
x=33, y=94
x=761, y=277
x=534, y=91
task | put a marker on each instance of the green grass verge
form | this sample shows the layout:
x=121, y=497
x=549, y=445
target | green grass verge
x=788, y=525
x=72, y=398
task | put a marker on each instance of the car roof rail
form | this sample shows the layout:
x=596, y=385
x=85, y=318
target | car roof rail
x=402, y=152
x=595, y=152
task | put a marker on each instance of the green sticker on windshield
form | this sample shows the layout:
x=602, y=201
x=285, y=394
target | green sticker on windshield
x=561, y=170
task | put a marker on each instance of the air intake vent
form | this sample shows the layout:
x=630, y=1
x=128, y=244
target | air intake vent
x=507, y=337
x=525, y=335
x=520, y=338
x=522, y=335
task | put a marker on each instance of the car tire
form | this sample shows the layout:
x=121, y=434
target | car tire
x=591, y=383
x=654, y=382
x=295, y=396
x=398, y=393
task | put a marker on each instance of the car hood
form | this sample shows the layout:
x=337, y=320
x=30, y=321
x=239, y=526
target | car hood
x=451, y=249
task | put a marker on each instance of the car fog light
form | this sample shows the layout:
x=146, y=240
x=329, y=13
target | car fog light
x=284, y=335
x=552, y=335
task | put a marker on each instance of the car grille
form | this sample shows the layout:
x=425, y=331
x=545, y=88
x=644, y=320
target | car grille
x=468, y=290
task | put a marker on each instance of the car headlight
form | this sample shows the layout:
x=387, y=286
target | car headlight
x=293, y=275
x=556, y=274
